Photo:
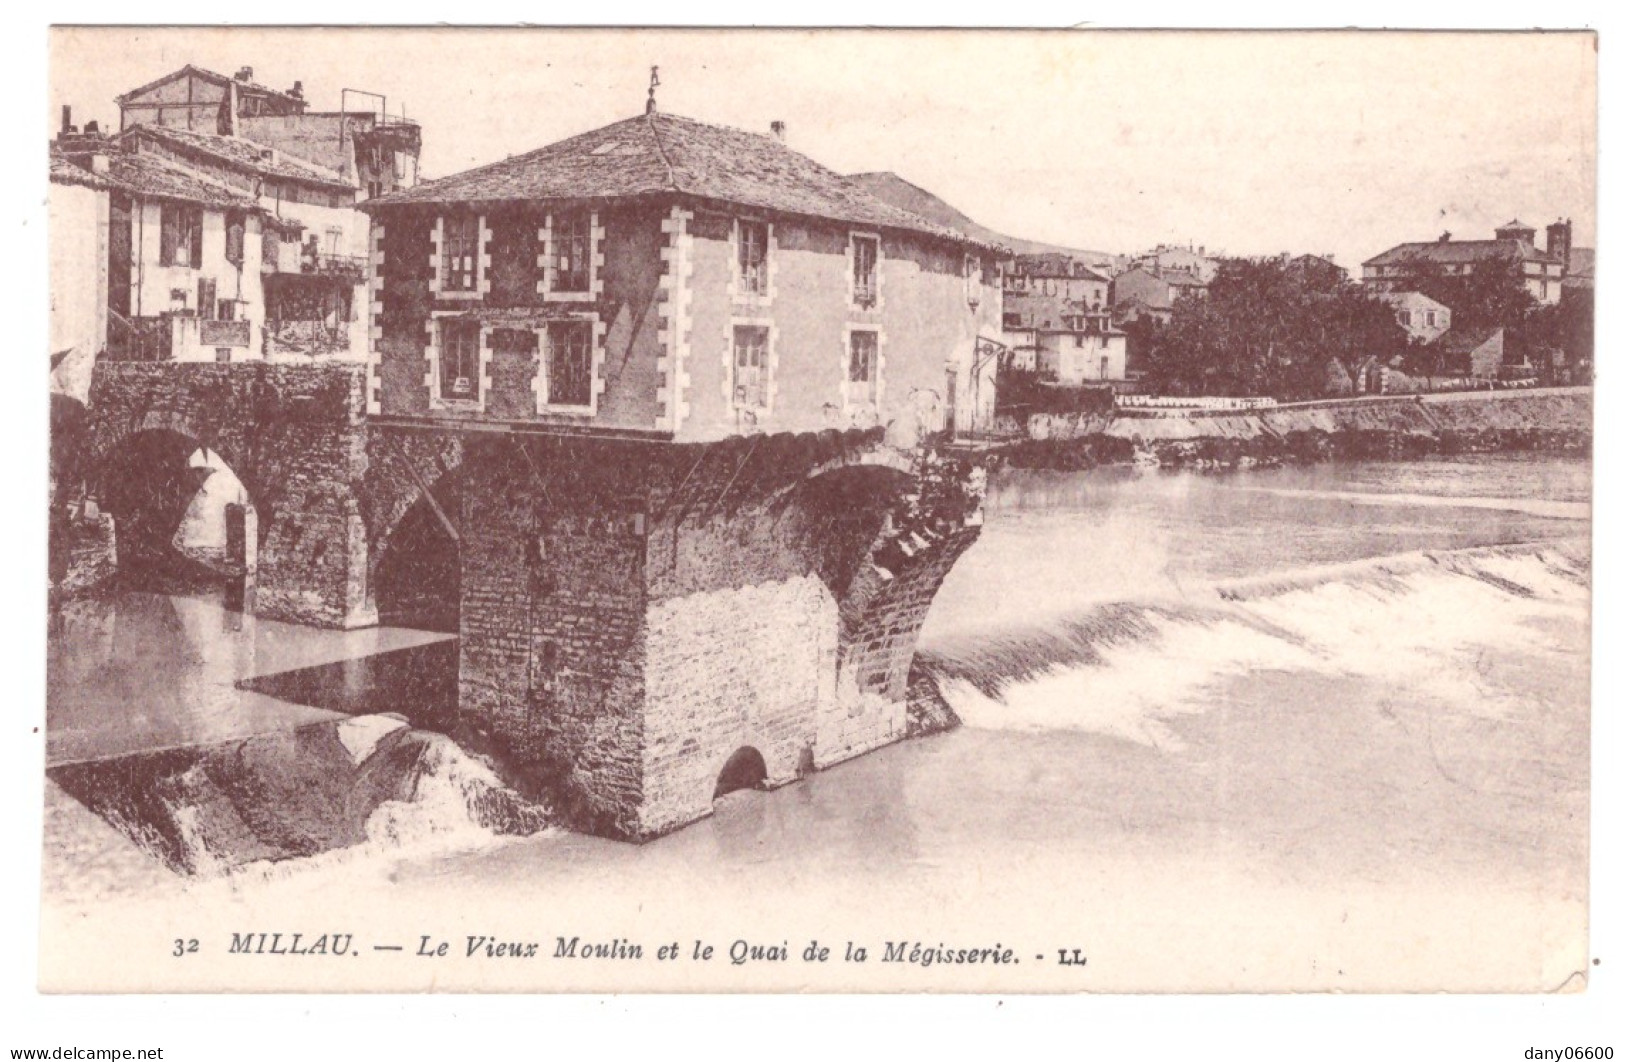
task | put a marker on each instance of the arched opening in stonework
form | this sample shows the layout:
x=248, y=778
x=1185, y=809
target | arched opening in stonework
x=745, y=769
x=182, y=519
x=416, y=579
x=882, y=538
x=843, y=512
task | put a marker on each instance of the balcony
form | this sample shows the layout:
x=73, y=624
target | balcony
x=350, y=267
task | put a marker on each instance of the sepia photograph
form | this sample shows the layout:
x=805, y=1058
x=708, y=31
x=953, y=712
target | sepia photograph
x=830, y=511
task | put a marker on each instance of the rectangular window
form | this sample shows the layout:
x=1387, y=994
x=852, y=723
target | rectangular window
x=572, y=251
x=180, y=235
x=205, y=296
x=1429, y=317
x=753, y=257
x=569, y=363
x=1012, y=320
x=460, y=360
x=459, y=252
x=750, y=367
x=1405, y=318
x=865, y=267
x=236, y=229
x=863, y=366
x=226, y=310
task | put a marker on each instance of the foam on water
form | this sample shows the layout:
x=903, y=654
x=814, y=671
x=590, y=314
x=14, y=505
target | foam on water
x=1434, y=623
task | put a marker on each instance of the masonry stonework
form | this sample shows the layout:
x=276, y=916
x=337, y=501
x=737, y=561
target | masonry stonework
x=634, y=614
x=295, y=436
x=631, y=613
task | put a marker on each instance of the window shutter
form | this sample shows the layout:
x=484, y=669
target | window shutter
x=168, y=234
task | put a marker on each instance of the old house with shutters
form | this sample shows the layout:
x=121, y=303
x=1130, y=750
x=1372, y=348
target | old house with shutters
x=178, y=264
x=303, y=171
x=667, y=277
x=1057, y=320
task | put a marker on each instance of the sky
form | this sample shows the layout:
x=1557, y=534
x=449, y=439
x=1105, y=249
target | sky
x=1245, y=143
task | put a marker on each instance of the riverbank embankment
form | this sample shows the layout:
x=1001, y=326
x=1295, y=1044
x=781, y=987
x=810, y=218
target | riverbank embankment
x=1546, y=420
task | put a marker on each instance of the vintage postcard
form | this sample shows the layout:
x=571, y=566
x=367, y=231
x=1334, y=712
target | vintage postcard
x=835, y=511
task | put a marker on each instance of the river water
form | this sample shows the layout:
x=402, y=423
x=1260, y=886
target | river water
x=1318, y=728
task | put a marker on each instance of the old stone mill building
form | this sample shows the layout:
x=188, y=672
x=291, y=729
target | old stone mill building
x=660, y=419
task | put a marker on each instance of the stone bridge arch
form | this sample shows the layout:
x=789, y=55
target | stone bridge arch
x=294, y=435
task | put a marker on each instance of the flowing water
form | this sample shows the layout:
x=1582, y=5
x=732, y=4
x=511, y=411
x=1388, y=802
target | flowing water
x=1321, y=727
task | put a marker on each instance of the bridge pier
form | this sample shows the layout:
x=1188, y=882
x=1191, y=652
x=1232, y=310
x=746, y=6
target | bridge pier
x=633, y=616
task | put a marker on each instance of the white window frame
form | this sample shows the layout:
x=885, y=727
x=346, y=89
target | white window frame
x=598, y=330
x=853, y=239
x=771, y=387
x=482, y=261
x=736, y=280
x=546, y=272
x=851, y=401
x=437, y=400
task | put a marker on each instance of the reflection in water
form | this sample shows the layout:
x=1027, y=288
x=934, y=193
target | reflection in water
x=140, y=671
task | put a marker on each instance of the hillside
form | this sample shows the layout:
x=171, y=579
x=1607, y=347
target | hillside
x=890, y=188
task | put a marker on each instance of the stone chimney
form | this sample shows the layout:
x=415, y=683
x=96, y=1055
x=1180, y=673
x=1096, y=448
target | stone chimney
x=1560, y=240
x=298, y=90
x=67, y=119
x=1444, y=237
x=245, y=74
x=780, y=132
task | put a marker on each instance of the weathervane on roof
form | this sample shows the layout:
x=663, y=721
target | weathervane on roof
x=654, y=83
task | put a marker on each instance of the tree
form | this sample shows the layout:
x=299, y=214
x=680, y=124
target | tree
x=1265, y=330
x=1493, y=295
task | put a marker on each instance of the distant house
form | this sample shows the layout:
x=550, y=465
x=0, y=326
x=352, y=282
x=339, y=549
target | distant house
x=1479, y=353
x=1423, y=319
x=1171, y=261
x=203, y=101
x=1144, y=292
x=1057, y=320
x=1400, y=268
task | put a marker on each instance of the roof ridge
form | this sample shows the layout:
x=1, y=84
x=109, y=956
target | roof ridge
x=182, y=136
x=671, y=171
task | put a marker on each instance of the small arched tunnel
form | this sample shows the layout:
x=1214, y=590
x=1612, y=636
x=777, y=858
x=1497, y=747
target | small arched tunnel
x=168, y=496
x=745, y=769
x=417, y=580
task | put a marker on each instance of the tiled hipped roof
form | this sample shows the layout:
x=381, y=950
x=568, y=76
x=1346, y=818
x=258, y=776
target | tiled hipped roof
x=655, y=154
x=241, y=153
x=1453, y=252
x=65, y=172
x=151, y=177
